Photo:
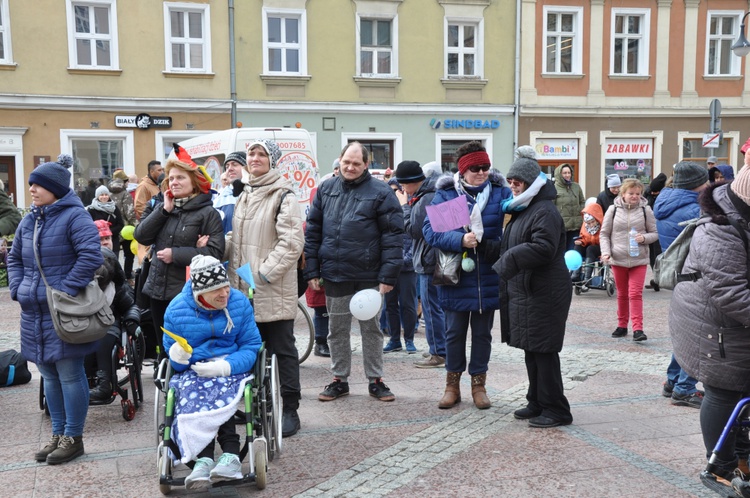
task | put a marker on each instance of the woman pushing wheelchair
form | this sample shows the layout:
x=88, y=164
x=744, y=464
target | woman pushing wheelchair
x=211, y=369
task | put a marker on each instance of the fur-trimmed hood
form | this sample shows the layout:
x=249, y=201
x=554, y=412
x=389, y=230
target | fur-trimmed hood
x=495, y=177
x=718, y=201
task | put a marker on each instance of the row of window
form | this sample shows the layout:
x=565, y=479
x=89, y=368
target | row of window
x=93, y=40
x=629, y=47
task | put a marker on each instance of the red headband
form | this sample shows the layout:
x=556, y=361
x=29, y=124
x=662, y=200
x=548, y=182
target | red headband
x=472, y=159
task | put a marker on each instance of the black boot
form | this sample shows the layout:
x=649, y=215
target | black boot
x=290, y=423
x=103, y=390
x=588, y=268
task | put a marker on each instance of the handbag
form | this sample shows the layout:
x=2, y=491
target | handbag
x=447, y=268
x=78, y=319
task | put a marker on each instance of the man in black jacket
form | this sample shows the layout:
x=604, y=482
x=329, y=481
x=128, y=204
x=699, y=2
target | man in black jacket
x=353, y=241
x=420, y=191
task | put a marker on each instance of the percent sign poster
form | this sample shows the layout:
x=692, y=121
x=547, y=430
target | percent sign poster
x=301, y=169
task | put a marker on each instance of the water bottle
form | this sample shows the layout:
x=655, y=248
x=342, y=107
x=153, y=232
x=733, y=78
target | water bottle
x=633, y=244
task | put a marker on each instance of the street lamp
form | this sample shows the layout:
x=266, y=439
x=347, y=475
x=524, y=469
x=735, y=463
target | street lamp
x=742, y=47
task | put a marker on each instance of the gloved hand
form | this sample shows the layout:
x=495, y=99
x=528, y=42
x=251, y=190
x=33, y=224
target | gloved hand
x=131, y=326
x=489, y=249
x=217, y=368
x=237, y=187
x=179, y=355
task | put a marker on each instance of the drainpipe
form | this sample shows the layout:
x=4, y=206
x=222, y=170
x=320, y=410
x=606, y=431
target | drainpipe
x=517, y=71
x=232, y=66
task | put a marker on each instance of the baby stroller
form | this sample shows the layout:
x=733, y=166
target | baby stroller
x=740, y=418
x=262, y=421
x=127, y=360
x=597, y=275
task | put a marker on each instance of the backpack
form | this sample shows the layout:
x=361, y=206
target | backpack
x=669, y=264
x=13, y=369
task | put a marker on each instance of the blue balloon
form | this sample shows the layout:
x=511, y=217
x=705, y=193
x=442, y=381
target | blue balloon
x=573, y=260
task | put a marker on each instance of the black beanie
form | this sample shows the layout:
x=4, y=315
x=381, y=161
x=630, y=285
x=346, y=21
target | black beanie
x=689, y=175
x=239, y=156
x=409, y=172
x=658, y=183
x=54, y=177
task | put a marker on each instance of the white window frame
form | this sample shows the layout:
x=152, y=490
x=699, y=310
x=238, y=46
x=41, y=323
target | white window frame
x=301, y=15
x=112, y=37
x=577, y=35
x=5, y=33
x=184, y=8
x=736, y=62
x=477, y=50
x=394, y=46
x=128, y=147
x=643, y=41
x=398, y=141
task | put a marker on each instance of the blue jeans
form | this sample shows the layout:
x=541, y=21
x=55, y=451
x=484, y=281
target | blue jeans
x=681, y=382
x=457, y=324
x=320, y=322
x=401, y=307
x=434, y=317
x=67, y=392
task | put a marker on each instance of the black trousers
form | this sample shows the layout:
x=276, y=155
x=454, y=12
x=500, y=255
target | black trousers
x=279, y=339
x=154, y=341
x=546, y=386
x=228, y=438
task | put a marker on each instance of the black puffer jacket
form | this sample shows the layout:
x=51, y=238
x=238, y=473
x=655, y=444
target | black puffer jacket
x=354, y=232
x=535, y=291
x=423, y=255
x=179, y=230
x=709, y=319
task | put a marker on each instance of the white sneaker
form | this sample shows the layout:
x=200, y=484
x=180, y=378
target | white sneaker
x=228, y=468
x=199, y=477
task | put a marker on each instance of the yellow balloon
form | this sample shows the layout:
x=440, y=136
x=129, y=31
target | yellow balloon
x=134, y=247
x=127, y=232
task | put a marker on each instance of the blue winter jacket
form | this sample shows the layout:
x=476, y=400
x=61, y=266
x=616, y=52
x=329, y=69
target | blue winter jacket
x=354, y=232
x=70, y=252
x=207, y=333
x=477, y=290
x=672, y=206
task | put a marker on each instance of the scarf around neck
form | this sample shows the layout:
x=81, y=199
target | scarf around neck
x=108, y=207
x=522, y=201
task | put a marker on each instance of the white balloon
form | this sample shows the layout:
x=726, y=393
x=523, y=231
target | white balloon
x=365, y=304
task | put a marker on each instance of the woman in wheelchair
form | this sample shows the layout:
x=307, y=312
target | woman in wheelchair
x=120, y=295
x=218, y=324
x=588, y=242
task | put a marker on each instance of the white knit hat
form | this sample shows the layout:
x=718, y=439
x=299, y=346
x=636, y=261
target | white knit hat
x=207, y=274
x=741, y=184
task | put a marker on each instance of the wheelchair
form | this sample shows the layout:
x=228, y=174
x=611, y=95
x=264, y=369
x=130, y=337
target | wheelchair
x=127, y=362
x=262, y=422
x=739, y=420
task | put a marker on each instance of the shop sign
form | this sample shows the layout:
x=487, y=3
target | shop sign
x=557, y=148
x=143, y=121
x=465, y=124
x=629, y=148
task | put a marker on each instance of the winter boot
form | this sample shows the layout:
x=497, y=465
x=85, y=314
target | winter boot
x=41, y=455
x=67, y=449
x=452, y=395
x=479, y=393
x=588, y=269
x=103, y=390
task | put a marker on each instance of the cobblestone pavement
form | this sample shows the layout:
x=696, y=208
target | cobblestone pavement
x=626, y=439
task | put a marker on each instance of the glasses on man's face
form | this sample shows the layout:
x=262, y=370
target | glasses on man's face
x=515, y=183
x=476, y=169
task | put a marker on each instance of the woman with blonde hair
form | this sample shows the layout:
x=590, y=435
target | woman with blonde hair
x=629, y=216
x=173, y=229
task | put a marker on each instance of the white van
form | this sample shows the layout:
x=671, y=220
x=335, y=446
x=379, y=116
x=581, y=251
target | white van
x=297, y=161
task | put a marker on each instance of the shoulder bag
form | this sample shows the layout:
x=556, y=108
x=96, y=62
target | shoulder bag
x=77, y=319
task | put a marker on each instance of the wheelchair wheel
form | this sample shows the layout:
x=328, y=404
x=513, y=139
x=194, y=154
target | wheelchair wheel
x=128, y=409
x=164, y=465
x=134, y=373
x=260, y=469
x=304, y=332
x=609, y=283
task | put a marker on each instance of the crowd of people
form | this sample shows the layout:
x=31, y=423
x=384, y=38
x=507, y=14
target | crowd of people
x=507, y=256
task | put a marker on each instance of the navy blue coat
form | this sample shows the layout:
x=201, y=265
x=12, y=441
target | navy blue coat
x=70, y=252
x=354, y=232
x=671, y=207
x=476, y=290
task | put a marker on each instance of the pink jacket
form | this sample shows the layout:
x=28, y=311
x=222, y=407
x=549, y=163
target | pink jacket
x=614, y=237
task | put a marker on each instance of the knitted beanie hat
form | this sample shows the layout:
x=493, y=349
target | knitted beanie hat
x=745, y=146
x=613, y=180
x=524, y=169
x=409, y=172
x=54, y=176
x=658, y=183
x=525, y=151
x=433, y=168
x=741, y=184
x=207, y=274
x=271, y=148
x=102, y=189
x=239, y=157
x=689, y=175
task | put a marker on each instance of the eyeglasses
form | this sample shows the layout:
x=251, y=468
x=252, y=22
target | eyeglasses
x=477, y=169
x=515, y=183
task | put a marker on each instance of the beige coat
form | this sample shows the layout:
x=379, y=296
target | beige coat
x=270, y=237
x=614, y=238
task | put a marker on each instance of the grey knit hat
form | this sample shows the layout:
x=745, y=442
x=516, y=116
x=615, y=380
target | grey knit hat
x=525, y=151
x=239, y=157
x=689, y=175
x=524, y=169
x=613, y=180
